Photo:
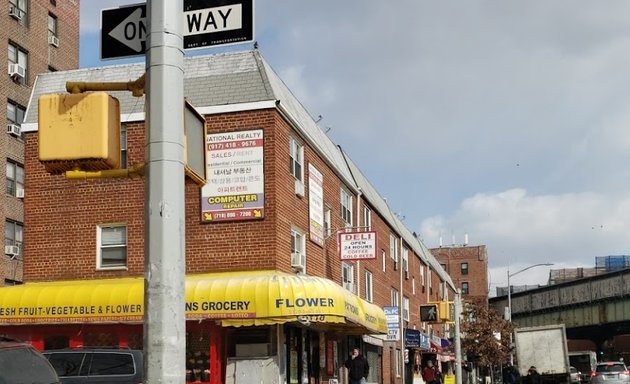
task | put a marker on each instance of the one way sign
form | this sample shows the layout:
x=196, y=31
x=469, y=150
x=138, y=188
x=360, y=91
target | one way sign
x=206, y=23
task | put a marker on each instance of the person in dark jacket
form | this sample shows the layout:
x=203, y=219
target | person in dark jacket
x=358, y=367
x=511, y=375
x=533, y=377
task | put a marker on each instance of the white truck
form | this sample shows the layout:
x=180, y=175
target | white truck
x=545, y=348
x=585, y=362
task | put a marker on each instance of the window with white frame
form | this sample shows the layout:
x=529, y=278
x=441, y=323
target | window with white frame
x=18, y=8
x=393, y=250
x=298, y=242
x=413, y=286
x=14, y=235
x=369, y=290
x=405, y=261
x=346, y=207
x=464, y=268
x=383, y=259
x=441, y=291
x=296, y=155
x=16, y=55
x=112, y=246
x=398, y=363
x=405, y=308
x=123, y=146
x=367, y=218
x=15, y=179
x=327, y=222
x=395, y=299
x=347, y=276
x=52, y=25
x=430, y=278
x=15, y=113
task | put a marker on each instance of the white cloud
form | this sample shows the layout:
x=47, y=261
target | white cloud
x=568, y=230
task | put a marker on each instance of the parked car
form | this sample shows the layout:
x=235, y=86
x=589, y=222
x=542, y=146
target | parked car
x=576, y=376
x=20, y=363
x=97, y=365
x=613, y=372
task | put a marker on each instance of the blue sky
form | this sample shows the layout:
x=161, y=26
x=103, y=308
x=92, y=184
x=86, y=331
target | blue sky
x=507, y=121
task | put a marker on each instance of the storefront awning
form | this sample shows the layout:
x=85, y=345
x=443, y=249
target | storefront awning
x=231, y=298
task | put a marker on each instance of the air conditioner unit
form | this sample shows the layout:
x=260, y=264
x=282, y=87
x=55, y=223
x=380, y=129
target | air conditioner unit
x=17, y=71
x=19, y=193
x=15, y=12
x=12, y=250
x=333, y=381
x=14, y=129
x=299, y=188
x=298, y=261
x=53, y=40
x=349, y=286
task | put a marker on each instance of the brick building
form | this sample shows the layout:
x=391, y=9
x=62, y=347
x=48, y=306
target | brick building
x=264, y=276
x=40, y=36
x=468, y=267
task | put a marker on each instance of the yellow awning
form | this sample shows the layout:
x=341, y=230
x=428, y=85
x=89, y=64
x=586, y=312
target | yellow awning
x=232, y=298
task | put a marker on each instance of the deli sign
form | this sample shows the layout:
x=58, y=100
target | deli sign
x=357, y=245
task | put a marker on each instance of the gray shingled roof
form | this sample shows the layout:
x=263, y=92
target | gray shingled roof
x=234, y=78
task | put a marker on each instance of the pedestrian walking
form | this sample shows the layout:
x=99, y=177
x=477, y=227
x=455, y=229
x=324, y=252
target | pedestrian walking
x=533, y=377
x=431, y=374
x=511, y=375
x=358, y=367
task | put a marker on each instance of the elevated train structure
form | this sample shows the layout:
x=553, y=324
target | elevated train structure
x=595, y=311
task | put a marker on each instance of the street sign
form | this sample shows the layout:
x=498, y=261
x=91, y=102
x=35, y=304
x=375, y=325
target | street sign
x=206, y=23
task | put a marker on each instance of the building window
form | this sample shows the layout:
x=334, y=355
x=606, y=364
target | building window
x=346, y=207
x=15, y=179
x=296, y=155
x=422, y=277
x=405, y=261
x=393, y=250
x=327, y=222
x=398, y=363
x=123, y=146
x=405, y=309
x=52, y=25
x=298, y=250
x=443, y=266
x=17, y=9
x=395, y=299
x=464, y=268
x=465, y=288
x=347, y=276
x=18, y=63
x=383, y=259
x=367, y=218
x=369, y=292
x=413, y=285
x=15, y=113
x=13, y=236
x=112, y=249
x=430, y=278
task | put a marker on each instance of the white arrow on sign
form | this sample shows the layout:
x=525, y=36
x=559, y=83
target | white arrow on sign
x=132, y=31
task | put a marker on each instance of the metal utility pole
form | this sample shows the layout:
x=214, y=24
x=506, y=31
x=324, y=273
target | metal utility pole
x=164, y=250
x=458, y=343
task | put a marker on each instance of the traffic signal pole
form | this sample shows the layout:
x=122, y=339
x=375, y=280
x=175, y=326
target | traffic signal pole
x=164, y=248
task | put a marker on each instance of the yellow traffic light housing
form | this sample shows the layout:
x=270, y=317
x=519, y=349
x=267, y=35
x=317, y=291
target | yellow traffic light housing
x=79, y=131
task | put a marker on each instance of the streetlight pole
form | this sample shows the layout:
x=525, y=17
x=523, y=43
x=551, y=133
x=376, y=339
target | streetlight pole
x=509, y=299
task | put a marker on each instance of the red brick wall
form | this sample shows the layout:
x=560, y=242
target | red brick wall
x=477, y=277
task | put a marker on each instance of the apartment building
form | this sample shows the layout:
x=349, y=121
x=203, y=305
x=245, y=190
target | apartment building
x=40, y=36
x=278, y=196
x=467, y=265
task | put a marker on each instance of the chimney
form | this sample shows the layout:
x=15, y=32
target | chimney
x=465, y=239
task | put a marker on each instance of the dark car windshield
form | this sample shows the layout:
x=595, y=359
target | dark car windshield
x=613, y=367
x=25, y=366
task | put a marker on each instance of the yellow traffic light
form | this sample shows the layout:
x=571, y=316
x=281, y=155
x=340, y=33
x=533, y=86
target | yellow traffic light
x=79, y=131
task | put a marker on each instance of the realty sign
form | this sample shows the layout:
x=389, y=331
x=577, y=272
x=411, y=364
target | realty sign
x=206, y=23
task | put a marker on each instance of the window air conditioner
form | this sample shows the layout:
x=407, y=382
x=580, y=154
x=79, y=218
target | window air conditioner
x=333, y=381
x=299, y=188
x=12, y=250
x=349, y=286
x=15, y=12
x=17, y=71
x=19, y=193
x=14, y=129
x=298, y=261
x=53, y=40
